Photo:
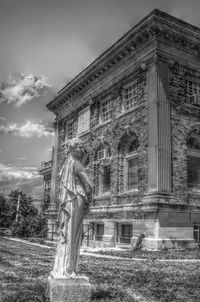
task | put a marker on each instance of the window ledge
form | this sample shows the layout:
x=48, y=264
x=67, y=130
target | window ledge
x=84, y=133
x=124, y=112
x=102, y=124
x=104, y=196
x=192, y=106
x=129, y=156
x=128, y=193
x=194, y=192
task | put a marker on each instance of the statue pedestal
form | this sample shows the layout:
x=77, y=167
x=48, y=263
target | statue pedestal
x=64, y=289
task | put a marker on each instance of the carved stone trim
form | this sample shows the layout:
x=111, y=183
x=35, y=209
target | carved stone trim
x=156, y=26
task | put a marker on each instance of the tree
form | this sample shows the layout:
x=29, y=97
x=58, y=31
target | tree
x=26, y=208
x=4, y=213
x=22, y=217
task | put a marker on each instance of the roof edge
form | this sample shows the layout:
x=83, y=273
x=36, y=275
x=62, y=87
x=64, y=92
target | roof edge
x=119, y=43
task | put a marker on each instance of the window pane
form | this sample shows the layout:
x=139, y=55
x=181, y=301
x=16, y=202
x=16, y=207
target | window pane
x=193, y=143
x=106, y=111
x=106, y=179
x=196, y=233
x=127, y=230
x=132, y=174
x=84, y=120
x=192, y=88
x=100, y=229
x=70, y=130
x=134, y=146
x=193, y=172
x=130, y=96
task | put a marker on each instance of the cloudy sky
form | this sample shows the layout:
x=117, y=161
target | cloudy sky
x=45, y=43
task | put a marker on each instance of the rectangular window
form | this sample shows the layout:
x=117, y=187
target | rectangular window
x=127, y=230
x=84, y=120
x=70, y=130
x=193, y=169
x=106, y=111
x=193, y=93
x=130, y=95
x=127, y=233
x=106, y=179
x=132, y=179
x=99, y=232
x=196, y=232
x=104, y=153
x=192, y=88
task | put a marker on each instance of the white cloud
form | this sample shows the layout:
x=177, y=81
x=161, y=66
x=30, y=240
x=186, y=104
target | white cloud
x=10, y=172
x=3, y=118
x=27, y=130
x=25, y=179
x=20, y=89
x=21, y=158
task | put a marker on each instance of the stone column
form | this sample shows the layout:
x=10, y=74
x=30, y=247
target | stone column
x=162, y=234
x=109, y=233
x=116, y=95
x=52, y=209
x=159, y=132
x=54, y=168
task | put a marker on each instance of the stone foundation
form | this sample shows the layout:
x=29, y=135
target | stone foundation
x=64, y=289
x=166, y=243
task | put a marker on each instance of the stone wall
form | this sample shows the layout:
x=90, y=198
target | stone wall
x=184, y=120
x=119, y=128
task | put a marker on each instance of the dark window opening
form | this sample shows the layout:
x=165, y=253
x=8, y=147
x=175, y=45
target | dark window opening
x=127, y=233
x=133, y=146
x=193, y=143
x=193, y=172
x=196, y=232
x=106, y=179
x=99, y=232
x=132, y=174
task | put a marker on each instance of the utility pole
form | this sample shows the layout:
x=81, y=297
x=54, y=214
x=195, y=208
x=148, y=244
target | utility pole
x=18, y=204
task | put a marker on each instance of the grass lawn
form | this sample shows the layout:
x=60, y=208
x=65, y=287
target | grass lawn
x=24, y=270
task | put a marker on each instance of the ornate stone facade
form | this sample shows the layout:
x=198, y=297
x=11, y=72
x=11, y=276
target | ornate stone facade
x=142, y=106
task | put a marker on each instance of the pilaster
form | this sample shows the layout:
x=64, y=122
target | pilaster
x=109, y=233
x=52, y=208
x=54, y=168
x=159, y=142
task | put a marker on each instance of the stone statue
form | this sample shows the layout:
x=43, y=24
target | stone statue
x=74, y=198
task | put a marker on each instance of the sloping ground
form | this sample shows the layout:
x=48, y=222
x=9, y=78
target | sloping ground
x=24, y=270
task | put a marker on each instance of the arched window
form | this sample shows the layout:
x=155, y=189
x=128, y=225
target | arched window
x=193, y=163
x=103, y=170
x=128, y=156
x=131, y=165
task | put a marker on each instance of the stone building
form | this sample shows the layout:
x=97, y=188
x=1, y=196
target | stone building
x=45, y=171
x=137, y=109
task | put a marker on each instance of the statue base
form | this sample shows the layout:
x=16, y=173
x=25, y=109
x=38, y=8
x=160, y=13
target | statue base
x=65, y=289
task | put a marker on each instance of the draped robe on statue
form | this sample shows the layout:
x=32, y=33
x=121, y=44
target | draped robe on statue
x=75, y=190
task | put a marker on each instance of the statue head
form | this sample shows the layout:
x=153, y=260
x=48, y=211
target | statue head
x=75, y=147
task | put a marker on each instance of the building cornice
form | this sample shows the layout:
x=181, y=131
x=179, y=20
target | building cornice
x=156, y=25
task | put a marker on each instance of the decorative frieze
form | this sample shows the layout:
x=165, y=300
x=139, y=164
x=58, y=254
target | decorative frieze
x=150, y=29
